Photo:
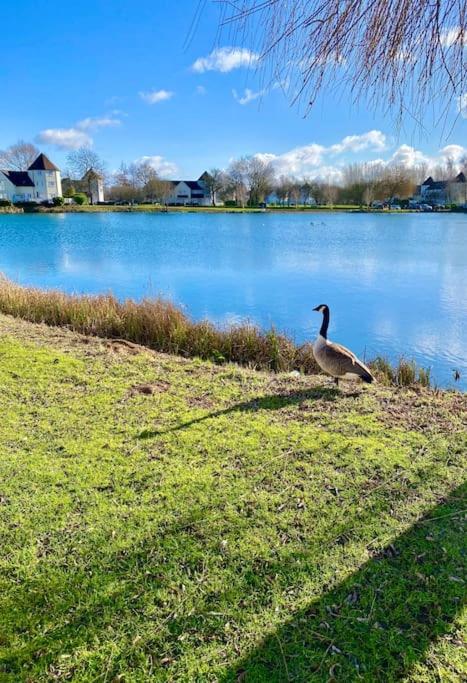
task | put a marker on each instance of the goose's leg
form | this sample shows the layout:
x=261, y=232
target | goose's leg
x=336, y=380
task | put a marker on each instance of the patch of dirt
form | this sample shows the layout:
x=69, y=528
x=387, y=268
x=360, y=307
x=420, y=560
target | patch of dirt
x=200, y=402
x=149, y=389
x=424, y=410
x=124, y=346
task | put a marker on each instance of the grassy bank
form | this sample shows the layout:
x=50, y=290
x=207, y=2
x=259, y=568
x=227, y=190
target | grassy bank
x=156, y=208
x=165, y=519
x=162, y=326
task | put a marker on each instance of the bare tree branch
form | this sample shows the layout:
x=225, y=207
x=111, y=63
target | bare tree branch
x=401, y=54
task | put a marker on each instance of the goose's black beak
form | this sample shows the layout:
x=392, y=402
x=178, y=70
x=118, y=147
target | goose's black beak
x=317, y=309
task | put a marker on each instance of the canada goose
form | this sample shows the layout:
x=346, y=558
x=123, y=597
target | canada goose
x=335, y=359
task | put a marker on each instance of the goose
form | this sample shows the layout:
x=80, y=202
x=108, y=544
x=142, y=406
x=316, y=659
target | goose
x=335, y=359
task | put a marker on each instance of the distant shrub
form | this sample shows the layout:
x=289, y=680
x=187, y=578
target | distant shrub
x=230, y=203
x=27, y=206
x=58, y=201
x=5, y=202
x=80, y=198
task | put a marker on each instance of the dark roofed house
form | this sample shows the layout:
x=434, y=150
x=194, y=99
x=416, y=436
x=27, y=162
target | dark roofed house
x=190, y=192
x=442, y=192
x=40, y=182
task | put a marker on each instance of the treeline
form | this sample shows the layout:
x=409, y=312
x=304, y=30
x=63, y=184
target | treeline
x=250, y=181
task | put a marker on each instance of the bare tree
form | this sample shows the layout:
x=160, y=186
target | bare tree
x=82, y=160
x=259, y=178
x=158, y=190
x=393, y=51
x=330, y=192
x=214, y=180
x=306, y=191
x=282, y=189
x=87, y=166
x=236, y=181
x=18, y=157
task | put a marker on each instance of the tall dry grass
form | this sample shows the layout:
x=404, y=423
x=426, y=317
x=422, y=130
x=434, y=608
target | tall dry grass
x=162, y=326
x=157, y=324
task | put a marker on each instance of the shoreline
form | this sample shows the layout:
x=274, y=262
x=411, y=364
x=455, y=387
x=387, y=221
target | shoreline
x=154, y=208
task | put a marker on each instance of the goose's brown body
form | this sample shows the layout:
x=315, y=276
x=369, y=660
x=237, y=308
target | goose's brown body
x=337, y=360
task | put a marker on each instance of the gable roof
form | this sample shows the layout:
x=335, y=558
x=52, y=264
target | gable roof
x=91, y=173
x=19, y=178
x=194, y=185
x=461, y=178
x=42, y=163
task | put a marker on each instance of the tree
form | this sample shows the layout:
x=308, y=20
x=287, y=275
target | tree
x=214, y=180
x=330, y=192
x=258, y=178
x=282, y=189
x=82, y=160
x=85, y=162
x=158, y=190
x=236, y=181
x=18, y=157
x=306, y=191
x=394, y=52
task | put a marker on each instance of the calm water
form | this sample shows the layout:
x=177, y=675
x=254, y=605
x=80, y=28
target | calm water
x=396, y=284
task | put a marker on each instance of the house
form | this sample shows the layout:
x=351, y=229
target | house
x=40, y=182
x=442, y=192
x=94, y=186
x=190, y=192
x=91, y=184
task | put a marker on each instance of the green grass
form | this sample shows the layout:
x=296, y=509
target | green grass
x=165, y=519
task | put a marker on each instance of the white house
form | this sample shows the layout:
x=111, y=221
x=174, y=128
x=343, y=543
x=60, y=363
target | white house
x=94, y=186
x=190, y=192
x=41, y=182
x=443, y=191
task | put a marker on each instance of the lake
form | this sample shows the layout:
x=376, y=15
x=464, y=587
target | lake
x=396, y=284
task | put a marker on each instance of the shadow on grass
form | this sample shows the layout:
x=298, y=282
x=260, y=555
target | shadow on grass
x=377, y=624
x=271, y=402
x=374, y=626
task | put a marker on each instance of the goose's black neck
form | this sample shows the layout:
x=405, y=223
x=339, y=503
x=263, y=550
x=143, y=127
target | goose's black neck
x=325, y=324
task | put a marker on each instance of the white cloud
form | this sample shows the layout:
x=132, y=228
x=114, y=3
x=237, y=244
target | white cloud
x=314, y=160
x=225, y=59
x=374, y=139
x=454, y=152
x=409, y=157
x=462, y=105
x=77, y=135
x=95, y=122
x=248, y=96
x=156, y=96
x=164, y=168
x=311, y=159
x=65, y=138
x=201, y=90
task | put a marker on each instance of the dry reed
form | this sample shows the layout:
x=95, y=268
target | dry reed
x=162, y=326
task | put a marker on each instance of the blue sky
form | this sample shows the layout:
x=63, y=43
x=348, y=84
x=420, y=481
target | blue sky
x=118, y=75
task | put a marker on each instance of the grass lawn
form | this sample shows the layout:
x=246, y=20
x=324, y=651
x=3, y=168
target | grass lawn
x=164, y=519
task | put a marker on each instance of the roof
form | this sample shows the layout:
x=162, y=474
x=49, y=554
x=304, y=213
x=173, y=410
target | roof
x=461, y=178
x=194, y=185
x=42, y=163
x=91, y=173
x=19, y=178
